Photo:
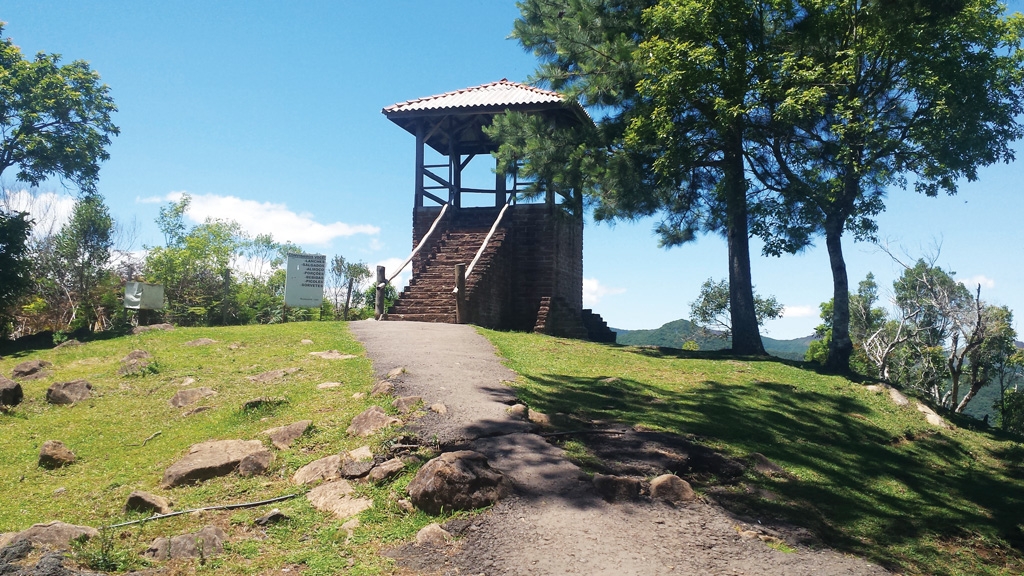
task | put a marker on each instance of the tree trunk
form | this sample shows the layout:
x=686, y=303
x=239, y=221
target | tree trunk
x=841, y=347
x=745, y=336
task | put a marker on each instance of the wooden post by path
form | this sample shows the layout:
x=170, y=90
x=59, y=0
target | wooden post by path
x=460, y=294
x=378, y=310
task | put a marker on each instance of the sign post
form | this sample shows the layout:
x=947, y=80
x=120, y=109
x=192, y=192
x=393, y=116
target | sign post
x=304, y=280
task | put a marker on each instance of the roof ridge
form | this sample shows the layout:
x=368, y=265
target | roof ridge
x=502, y=82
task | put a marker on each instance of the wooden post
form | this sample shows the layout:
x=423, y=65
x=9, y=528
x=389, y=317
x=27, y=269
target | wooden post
x=460, y=294
x=378, y=312
x=500, y=196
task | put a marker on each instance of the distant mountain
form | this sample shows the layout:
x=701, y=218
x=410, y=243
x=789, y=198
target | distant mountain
x=675, y=333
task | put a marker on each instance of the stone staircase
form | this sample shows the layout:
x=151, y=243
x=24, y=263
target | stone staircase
x=429, y=296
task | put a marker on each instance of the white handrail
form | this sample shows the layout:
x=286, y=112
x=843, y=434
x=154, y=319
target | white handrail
x=487, y=239
x=417, y=249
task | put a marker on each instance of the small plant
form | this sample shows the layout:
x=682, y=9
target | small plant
x=102, y=553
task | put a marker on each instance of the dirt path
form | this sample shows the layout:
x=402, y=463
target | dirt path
x=555, y=523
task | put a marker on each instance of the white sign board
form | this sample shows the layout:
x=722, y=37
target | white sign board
x=142, y=296
x=304, y=280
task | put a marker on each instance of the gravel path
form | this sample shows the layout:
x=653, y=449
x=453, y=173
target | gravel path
x=555, y=523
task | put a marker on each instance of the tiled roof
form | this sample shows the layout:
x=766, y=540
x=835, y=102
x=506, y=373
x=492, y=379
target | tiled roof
x=500, y=93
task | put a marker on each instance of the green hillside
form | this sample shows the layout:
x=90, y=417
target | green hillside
x=674, y=334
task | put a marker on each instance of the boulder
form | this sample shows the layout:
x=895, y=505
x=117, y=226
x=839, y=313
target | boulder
x=407, y=404
x=538, y=418
x=54, y=534
x=13, y=552
x=10, y=392
x=284, y=436
x=54, y=454
x=898, y=398
x=183, y=398
x=371, y=420
x=518, y=411
x=201, y=342
x=68, y=392
x=762, y=465
x=136, y=363
x=386, y=470
x=671, y=488
x=271, y=375
x=456, y=481
x=361, y=453
x=30, y=370
x=327, y=468
x=382, y=388
x=151, y=327
x=337, y=498
x=617, y=488
x=145, y=502
x=217, y=458
x=207, y=542
x=333, y=355
x=931, y=416
x=433, y=535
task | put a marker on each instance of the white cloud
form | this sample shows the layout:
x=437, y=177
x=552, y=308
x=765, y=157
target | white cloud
x=49, y=209
x=800, y=312
x=973, y=281
x=594, y=291
x=269, y=218
x=150, y=200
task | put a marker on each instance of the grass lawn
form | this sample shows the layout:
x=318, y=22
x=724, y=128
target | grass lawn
x=107, y=431
x=868, y=477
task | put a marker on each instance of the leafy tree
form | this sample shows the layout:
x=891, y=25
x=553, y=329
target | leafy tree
x=879, y=90
x=83, y=247
x=349, y=275
x=54, y=119
x=1012, y=415
x=15, y=280
x=1010, y=371
x=711, y=308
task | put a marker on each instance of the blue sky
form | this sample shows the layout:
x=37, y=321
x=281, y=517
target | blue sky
x=270, y=113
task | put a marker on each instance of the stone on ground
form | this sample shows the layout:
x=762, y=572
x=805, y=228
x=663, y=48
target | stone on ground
x=460, y=480
x=671, y=488
x=361, y=453
x=201, y=342
x=382, y=388
x=54, y=454
x=518, y=411
x=30, y=370
x=328, y=385
x=371, y=420
x=386, y=470
x=433, y=535
x=898, y=398
x=67, y=344
x=538, y=418
x=617, y=488
x=396, y=372
x=931, y=416
x=11, y=393
x=139, y=501
x=151, y=327
x=68, y=392
x=337, y=498
x=217, y=458
x=284, y=436
x=327, y=468
x=271, y=375
x=207, y=542
x=305, y=341
x=53, y=534
x=407, y=404
x=439, y=408
x=136, y=363
x=333, y=355
x=184, y=398
x=271, y=517
x=762, y=465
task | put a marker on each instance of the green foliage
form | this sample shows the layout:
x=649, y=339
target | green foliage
x=16, y=278
x=1012, y=419
x=54, y=119
x=346, y=278
x=711, y=308
x=370, y=297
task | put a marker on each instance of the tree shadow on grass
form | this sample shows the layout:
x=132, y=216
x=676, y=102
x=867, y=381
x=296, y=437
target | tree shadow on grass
x=853, y=483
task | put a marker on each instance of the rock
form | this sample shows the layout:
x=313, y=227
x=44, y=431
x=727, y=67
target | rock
x=139, y=501
x=371, y=420
x=382, y=388
x=136, y=363
x=256, y=463
x=201, y=342
x=333, y=355
x=517, y=411
x=14, y=552
x=671, y=488
x=151, y=327
x=407, y=404
x=183, y=398
x=395, y=373
x=456, y=481
x=439, y=408
x=272, y=375
x=215, y=458
x=31, y=370
x=271, y=517
x=351, y=468
x=609, y=381
x=54, y=534
x=763, y=465
x=350, y=528
x=10, y=392
x=263, y=402
x=406, y=505
x=137, y=355
x=236, y=346
x=207, y=542
x=898, y=398
x=283, y=437
x=328, y=385
x=617, y=488
x=68, y=392
x=876, y=388
x=361, y=453
x=386, y=470
x=538, y=418
x=932, y=417
x=67, y=344
x=336, y=498
x=328, y=468
x=359, y=395
x=187, y=381
x=305, y=341
x=432, y=535
x=196, y=410
x=59, y=491
x=54, y=454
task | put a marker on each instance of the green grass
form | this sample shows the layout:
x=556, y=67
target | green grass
x=106, y=433
x=868, y=477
